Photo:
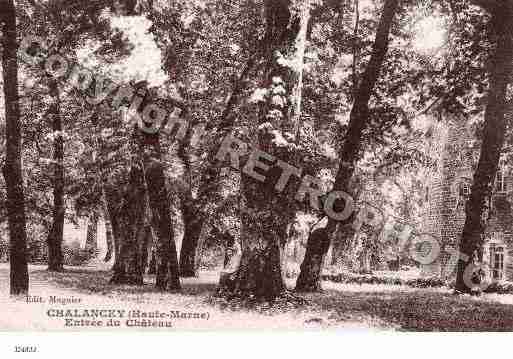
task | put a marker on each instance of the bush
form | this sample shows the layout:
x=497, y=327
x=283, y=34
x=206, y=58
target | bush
x=347, y=277
x=431, y=282
x=74, y=255
x=503, y=287
x=498, y=287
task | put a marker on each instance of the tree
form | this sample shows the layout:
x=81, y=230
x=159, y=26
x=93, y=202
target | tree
x=350, y=150
x=145, y=205
x=55, y=236
x=501, y=68
x=132, y=217
x=266, y=215
x=92, y=234
x=12, y=171
x=66, y=25
x=202, y=50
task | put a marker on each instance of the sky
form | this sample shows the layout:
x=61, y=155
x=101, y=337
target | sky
x=430, y=34
x=145, y=60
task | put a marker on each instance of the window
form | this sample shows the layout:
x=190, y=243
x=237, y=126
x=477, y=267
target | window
x=500, y=179
x=465, y=189
x=497, y=261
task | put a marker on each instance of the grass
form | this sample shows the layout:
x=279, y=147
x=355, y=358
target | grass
x=347, y=306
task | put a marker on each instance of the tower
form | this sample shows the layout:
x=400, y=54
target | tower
x=448, y=189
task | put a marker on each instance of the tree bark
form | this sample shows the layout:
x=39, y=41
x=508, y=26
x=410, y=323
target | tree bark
x=109, y=239
x=129, y=269
x=193, y=223
x=92, y=234
x=309, y=279
x=19, y=279
x=56, y=234
x=358, y=122
x=493, y=140
x=167, y=261
x=263, y=229
x=167, y=276
x=152, y=265
x=259, y=274
x=112, y=199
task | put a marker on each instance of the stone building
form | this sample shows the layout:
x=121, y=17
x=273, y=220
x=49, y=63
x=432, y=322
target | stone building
x=446, y=194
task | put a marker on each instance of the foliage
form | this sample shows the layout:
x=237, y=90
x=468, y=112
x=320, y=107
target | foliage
x=502, y=287
x=75, y=255
x=348, y=277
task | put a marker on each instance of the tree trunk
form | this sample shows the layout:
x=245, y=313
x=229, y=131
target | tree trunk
x=193, y=223
x=358, y=122
x=152, y=265
x=493, y=140
x=152, y=201
x=109, y=239
x=56, y=234
x=112, y=199
x=198, y=256
x=92, y=234
x=167, y=261
x=263, y=222
x=259, y=274
x=167, y=276
x=130, y=267
x=146, y=245
x=19, y=279
x=116, y=234
x=309, y=279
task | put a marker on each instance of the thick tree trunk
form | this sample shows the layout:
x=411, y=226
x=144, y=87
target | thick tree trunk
x=259, y=274
x=56, y=234
x=358, y=122
x=193, y=224
x=167, y=276
x=493, y=139
x=153, y=201
x=19, y=279
x=263, y=221
x=167, y=261
x=309, y=279
x=129, y=269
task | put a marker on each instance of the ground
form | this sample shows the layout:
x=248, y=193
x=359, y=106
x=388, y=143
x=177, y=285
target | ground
x=364, y=307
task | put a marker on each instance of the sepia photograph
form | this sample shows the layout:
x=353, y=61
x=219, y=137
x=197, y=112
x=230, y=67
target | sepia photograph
x=304, y=166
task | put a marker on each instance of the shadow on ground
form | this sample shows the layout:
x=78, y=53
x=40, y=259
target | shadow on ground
x=418, y=310
x=90, y=281
x=396, y=307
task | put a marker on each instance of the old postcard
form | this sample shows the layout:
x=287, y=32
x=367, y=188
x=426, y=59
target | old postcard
x=256, y=164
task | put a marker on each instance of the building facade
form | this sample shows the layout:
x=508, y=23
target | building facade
x=447, y=192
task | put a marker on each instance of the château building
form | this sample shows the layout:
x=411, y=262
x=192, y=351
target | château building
x=447, y=192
